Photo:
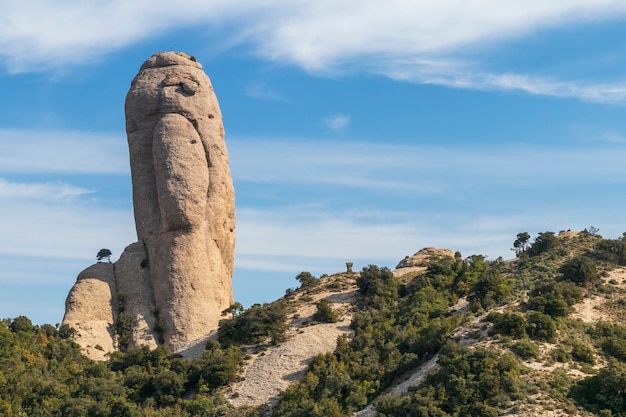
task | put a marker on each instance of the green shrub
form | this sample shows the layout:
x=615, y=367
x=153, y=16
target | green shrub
x=544, y=242
x=21, y=324
x=580, y=270
x=470, y=382
x=490, y=289
x=307, y=280
x=525, y=349
x=507, y=324
x=583, y=353
x=325, y=312
x=613, y=251
x=604, y=391
x=555, y=298
x=540, y=326
x=378, y=285
x=124, y=328
x=559, y=354
x=218, y=366
x=255, y=325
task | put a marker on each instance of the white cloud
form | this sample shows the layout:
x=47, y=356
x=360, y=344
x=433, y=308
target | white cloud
x=62, y=229
x=482, y=198
x=337, y=122
x=58, y=151
x=39, y=191
x=420, y=169
x=286, y=239
x=421, y=41
x=472, y=78
x=264, y=92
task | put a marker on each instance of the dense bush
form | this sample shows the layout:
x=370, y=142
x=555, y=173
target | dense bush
x=325, y=312
x=43, y=375
x=580, y=270
x=470, y=382
x=611, y=337
x=555, y=298
x=217, y=367
x=583, y=353
x=540, y=327
x=378, y=285
x=255, y=325
x=307, y=280
x=507, y=324
x=612, y=251
x=604, y=391
x=544, y=242
x=21, y=324
x=491, y=288
x=124, y=328
x=525, y=349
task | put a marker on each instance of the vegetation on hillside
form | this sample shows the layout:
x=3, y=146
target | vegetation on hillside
x=518, y=312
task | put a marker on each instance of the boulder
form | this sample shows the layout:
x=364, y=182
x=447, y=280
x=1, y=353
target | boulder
x=423, y=257
x=91, y=310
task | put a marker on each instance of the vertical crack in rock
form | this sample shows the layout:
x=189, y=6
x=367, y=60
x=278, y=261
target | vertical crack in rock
x=184, y=206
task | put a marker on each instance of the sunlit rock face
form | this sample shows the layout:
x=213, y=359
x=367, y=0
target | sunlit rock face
x=177, y=279
x=90, y=309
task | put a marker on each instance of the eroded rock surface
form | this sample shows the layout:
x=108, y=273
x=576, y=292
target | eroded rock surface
x=423, y=257
x=176, y=280
x=90, y=308
x=182, y=194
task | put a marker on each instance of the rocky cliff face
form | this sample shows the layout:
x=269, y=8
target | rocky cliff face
x=175, y=281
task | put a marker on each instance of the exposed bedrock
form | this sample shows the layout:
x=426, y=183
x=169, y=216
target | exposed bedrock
x=175, y=282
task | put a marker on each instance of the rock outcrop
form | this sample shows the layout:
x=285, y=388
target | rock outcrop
x=91, y=309
x=424, y=257
x=176, y=280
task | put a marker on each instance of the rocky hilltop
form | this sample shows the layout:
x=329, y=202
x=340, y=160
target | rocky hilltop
x=170, y=286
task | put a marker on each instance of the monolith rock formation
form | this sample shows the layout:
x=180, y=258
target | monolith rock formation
x=173, y=284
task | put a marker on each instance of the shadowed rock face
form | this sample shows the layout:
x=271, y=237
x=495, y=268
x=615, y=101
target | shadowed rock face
x=176, y=280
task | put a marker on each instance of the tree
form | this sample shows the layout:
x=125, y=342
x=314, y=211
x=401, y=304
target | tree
x=580, y=270
x=543, y=243
x=235, y=309
x=104, y=253
x=325, y=312
x=521, y=243
x=21, y=324
x=306, y=279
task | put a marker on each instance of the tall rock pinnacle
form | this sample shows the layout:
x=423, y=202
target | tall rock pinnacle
x=176, y=280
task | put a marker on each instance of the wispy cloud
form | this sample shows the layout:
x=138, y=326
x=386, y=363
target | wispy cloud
x=284, y=239
x=264, y=92
x=483, y=198
x=417, y=41
x=61, y=229
x=58, y=151
x=458, y=75
x=338, y=122
x=423, y=169
x=39, y=191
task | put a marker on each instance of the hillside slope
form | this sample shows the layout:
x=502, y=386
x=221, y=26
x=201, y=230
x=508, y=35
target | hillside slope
x=543, y=334
x=545, y=286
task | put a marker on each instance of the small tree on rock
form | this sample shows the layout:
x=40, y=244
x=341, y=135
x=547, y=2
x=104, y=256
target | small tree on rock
x=104, y=253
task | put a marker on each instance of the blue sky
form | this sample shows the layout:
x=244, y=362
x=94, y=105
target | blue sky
x=358, y=131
